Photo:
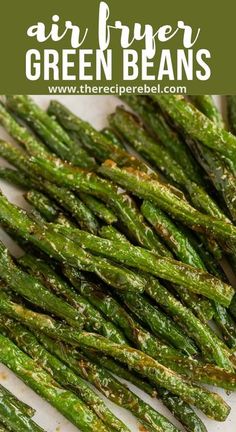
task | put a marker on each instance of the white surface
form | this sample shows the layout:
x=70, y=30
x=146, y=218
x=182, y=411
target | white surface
x=94, y=109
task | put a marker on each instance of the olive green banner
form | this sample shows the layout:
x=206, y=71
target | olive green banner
x=115, y=47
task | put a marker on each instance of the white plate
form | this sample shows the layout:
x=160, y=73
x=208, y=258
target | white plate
x=94, y=109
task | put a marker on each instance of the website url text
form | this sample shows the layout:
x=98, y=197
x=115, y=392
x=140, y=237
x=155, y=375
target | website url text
x=116, y=89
